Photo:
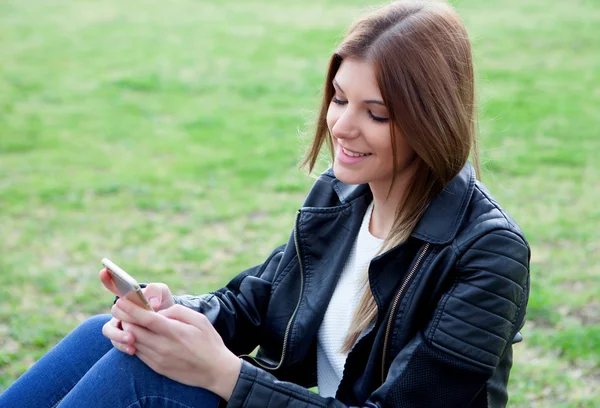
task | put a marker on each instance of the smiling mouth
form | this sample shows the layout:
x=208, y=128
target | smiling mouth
x=354, y=154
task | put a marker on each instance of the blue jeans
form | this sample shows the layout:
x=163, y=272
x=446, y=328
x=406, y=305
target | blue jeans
x=84, y=370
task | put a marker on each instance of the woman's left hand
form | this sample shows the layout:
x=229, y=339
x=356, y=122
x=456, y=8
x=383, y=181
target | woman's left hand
x=181, y=344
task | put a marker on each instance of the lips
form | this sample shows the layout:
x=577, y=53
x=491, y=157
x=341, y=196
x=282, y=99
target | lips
x=353, y=153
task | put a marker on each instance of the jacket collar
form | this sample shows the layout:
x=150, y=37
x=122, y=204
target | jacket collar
x=326, y=229
x=441, y=220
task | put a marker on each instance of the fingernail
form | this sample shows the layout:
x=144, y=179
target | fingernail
x=154, y=302
x=128, y=350
x=126, y=338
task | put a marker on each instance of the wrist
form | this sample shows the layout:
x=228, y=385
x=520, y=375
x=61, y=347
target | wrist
x=228, y=372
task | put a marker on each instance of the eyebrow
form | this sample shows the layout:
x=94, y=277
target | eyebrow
x=367, y=101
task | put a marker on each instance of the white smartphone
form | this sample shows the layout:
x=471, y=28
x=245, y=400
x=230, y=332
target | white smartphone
x=127, y=286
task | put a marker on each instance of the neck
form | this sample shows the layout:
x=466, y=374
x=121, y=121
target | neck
x=386, y=201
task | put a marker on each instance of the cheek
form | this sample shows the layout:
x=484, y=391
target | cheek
x=381, y=139
x=332, y=117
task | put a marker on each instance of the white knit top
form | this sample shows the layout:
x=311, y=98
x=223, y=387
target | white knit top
x=343, y=304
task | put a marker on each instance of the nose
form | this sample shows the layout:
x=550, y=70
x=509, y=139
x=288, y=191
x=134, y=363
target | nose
x=345, y=126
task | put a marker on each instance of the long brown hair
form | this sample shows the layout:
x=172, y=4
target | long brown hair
x=422, y=58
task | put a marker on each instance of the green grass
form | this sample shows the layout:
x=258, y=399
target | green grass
x=167, y=137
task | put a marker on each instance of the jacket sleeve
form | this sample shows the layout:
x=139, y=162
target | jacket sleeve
x=240, y=306
x=447, y=364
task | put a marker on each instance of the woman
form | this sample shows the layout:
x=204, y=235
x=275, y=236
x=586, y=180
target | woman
x=403, y=284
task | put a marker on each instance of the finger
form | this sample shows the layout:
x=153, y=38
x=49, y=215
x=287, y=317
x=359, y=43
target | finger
x=154, y=294
x=129, y=312
x=149, y=352
x=114, y=322
x=107, y=281
x=160, y=291
x=111, y=331
x=120, y=315
x=117, y=323
x=126, y=326
x=145, y=337
x=186, y=315
x=125, y=348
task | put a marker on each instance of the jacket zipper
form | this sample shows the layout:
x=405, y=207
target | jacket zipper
x=395, y=305
x=289, y=325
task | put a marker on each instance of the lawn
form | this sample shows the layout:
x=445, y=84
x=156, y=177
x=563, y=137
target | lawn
x=167, y=136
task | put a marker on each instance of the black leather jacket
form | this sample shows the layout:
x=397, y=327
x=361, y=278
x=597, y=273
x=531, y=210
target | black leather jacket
x=450, y=300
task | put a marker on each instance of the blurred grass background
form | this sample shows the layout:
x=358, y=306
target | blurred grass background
x=166, y=136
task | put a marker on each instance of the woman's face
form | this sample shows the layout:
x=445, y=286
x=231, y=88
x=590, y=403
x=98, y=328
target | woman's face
x=358, y=122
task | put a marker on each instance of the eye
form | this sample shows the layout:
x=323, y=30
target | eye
x=377, y=118
x=338, y=101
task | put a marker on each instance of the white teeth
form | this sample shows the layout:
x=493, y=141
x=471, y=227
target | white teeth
x=352, y=154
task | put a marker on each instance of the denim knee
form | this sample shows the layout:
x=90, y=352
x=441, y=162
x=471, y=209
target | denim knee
x=57, y=372
x=90, y=330
x=119, y=380
x=95, y=322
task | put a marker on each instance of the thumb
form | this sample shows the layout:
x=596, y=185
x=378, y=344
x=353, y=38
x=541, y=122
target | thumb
x=153, y=293
x=159, y=296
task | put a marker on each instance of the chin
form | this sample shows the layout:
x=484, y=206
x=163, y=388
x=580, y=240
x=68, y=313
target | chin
x=348, y=176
